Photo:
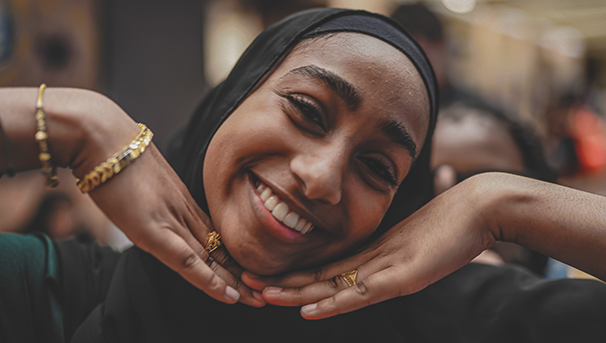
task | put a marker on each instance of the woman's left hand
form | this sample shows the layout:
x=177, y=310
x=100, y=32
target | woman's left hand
x=436, y=240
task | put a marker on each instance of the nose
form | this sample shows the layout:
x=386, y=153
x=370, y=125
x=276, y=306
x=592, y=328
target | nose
x=320, y=173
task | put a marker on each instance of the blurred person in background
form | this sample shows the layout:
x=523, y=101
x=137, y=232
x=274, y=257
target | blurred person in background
x=57, y=217
x=472, y=138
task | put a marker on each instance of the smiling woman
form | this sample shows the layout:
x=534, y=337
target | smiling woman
x=317, y=143
x=315, y=135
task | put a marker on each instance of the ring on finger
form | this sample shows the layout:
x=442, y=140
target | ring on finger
x=350, y=277
x=213, y=241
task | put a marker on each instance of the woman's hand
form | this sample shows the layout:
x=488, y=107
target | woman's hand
x=441, y=237
x=147, y=200
x=563, y=223
x=151, y=205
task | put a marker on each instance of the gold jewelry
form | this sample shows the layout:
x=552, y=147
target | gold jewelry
x=117, y=162
x=49, y=171
x=213, y=241
x=350, y=277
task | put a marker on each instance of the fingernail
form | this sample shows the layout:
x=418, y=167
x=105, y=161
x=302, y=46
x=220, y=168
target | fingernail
x=308, y=309
x=258, y=296
x=273, y=290
x=231, y=294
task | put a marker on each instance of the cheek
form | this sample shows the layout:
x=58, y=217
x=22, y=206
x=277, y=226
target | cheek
x=366, y=209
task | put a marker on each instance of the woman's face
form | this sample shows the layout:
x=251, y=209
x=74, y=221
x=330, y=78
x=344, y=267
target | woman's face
x=326, y=139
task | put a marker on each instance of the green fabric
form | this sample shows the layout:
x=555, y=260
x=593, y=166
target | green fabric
x=30, y=304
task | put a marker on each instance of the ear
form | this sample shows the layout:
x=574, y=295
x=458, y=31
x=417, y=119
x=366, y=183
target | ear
x=445, y=177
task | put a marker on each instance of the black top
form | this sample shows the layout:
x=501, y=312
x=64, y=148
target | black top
x=147, y=302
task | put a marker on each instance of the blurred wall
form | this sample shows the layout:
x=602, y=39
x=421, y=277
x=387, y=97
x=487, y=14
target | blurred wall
x=154, y=61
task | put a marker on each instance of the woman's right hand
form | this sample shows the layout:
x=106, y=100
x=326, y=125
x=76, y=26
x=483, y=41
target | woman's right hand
x=147, y=200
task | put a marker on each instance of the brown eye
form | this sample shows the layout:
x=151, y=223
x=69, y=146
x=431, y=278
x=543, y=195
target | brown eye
x=307, y=109
x=381, y=169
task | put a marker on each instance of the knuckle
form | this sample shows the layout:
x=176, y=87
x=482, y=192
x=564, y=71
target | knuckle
x=317, y=274
x=335, y=282
x=361, y=289
x=189, y=261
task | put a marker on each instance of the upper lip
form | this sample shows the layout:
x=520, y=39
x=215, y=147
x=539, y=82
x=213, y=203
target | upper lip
x=293, y=204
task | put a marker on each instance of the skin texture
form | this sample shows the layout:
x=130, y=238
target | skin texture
x=323, y=168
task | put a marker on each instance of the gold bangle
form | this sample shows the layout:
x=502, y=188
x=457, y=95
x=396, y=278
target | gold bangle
x=49, y=171
x=117, y=162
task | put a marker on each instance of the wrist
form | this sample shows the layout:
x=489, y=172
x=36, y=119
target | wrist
x=87, y=128
x=501, y=197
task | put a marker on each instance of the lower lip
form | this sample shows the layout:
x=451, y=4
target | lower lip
x=271, y=224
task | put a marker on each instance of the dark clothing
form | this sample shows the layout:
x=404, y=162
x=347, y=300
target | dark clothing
x=30, y=290
x=144, y=301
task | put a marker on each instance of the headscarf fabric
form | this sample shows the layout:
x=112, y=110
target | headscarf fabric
x=188, y=149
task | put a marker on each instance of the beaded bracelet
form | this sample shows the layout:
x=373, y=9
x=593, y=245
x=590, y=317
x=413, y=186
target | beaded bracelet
x=117, y=162
x=49, y=171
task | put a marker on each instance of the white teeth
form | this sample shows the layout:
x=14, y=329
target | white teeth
x=271, y=202
x=266, y=193
x=307, y=228
x=261, y=188
x=291, y=220
x=300, y=224
x=281, y=212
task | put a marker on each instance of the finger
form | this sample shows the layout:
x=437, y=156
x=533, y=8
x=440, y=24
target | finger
x=303, y=278
x=378, y=287
x=227, y=269
x=310, y=293
x=197, y=223
x=174, y=252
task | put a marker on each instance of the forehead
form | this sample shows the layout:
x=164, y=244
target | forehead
x=475, y=142
x=388, y=81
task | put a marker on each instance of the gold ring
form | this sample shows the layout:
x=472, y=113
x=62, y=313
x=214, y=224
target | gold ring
x=350, y=277
x=213, y=241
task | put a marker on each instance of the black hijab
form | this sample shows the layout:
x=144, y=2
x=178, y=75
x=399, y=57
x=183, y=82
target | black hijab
x=188, y=149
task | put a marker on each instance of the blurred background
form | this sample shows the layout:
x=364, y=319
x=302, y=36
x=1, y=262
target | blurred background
x=540, y=63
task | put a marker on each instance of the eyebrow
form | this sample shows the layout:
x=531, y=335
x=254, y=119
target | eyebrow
x=398, y=134
x=341, y=87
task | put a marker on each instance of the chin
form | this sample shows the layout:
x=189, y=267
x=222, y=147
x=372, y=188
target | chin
x=261, y=266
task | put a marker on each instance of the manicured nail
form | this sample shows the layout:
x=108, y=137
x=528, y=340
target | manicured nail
x=258, y=296
x=308, y=309
x=231, y=294
x=273, y=290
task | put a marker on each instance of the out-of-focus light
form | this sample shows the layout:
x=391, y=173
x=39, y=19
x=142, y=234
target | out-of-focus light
x=460, y=6
x=566, y=40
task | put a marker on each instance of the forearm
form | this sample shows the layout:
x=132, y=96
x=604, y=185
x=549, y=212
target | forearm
x=560, y=222
x=83, y=127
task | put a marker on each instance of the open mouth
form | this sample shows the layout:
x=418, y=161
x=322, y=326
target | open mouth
x=280, y=210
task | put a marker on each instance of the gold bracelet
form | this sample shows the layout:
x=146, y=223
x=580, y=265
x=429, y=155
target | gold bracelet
x=49, y=171
x=117, y=162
